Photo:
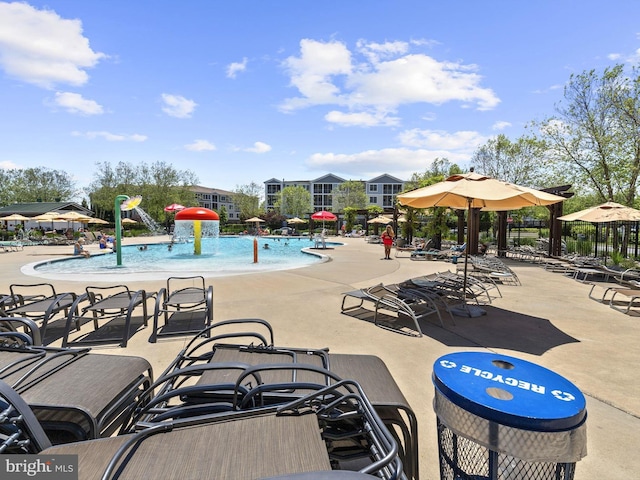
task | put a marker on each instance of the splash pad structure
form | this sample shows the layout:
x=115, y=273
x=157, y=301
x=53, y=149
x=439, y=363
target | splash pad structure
x=196, y=222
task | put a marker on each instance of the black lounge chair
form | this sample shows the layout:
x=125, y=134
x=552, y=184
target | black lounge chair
x=212, y=375
x=27, y=302
x=335, y=428
x=75, y=395
x=24, y=325
x=20, y=431
x=114, y=306
x=184, y=307
x=393, y=308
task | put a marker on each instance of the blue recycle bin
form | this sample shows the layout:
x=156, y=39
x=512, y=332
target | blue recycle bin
x=502, y=418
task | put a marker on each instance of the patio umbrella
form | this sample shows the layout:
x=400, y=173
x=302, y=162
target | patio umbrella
x=98, y=221
x=128, y=220
x=255, y=220
x=15, y=217
x=381, y=220
x=607, y=212
x=295, y=220
x=324, y=216
x=472, y=190
x=174, y=207
x=47, y=217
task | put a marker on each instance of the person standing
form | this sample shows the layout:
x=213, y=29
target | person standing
x=387, y=240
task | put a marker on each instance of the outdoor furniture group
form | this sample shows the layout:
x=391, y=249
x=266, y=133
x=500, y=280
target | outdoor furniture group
x=184, y=306
x=620, y=286
x=231, y=405
x=401, y=306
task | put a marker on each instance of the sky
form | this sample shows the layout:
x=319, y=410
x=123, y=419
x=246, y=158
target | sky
x=246, y=91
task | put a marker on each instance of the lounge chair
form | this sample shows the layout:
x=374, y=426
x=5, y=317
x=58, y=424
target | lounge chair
x=27, y=301
x=75, y=395
x=20, y=431
x=389, y=302
x=340, y=430
x=22, y=325
x=237, y=366
x=185, y=307
x=113, y=305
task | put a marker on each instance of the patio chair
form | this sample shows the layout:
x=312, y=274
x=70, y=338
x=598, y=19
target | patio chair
x=29, y=301
x=335, y=428
x=388, y=303
x=74, y=394
x=25, y=325
x=185, y=307
x=115, y=307
x=20, y=431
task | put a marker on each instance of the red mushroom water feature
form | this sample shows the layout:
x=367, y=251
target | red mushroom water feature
x=197, y=215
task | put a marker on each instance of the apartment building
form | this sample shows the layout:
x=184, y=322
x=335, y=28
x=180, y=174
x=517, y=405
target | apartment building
x=214, y=199
x=381, y=190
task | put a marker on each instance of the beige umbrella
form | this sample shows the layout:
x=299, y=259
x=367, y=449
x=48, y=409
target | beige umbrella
x=15, y=217
x=471, y=190
x=98, y=221
x=46, y=217
x=128, y=220
x=73, y=216
x=254, y=219
x=295, y=220
x=607, y=212
x=382, y=220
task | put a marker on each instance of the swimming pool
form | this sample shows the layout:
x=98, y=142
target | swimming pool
x=219, y=257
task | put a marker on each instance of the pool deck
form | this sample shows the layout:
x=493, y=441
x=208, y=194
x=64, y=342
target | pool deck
x=548, y=320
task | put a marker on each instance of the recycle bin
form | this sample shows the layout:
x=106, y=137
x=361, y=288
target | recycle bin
x=503, y=418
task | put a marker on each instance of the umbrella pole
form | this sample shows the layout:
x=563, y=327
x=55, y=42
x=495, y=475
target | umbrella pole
x=466, y=252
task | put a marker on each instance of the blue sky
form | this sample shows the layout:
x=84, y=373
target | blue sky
x=244, y=91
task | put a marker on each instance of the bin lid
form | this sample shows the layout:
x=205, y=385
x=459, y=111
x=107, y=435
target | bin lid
x=509, y=391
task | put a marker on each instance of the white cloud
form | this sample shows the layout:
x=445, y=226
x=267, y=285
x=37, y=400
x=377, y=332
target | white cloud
x=8, y=165
x=259, y=147
x=111, y=137
x=389, y=76
x=234, y=68
x=361, y=119
x=200, y=146
x=500, y=125
x=75, y=103
x=401, y=161
x=614, y=56
x=312, y=72
x=41, y=48
x=462, y=141
x=178, y=106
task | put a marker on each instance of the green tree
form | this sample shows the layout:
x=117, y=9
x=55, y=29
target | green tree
x=159, y=184
x=438, y=217
x=294, y=201
x=349, y=194
x=350, y=215
x=594, y=138
x=247, y=200
x=36, y=185
x=519, y=162
x=224, y=216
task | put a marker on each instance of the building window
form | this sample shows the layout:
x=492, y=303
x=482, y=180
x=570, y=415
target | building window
x=373, y=187
x=373, y=200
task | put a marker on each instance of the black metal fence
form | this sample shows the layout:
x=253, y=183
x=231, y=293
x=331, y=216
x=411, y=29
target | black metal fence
x=600, y=239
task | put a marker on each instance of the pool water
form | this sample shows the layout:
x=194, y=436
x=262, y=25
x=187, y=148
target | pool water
x=219, y=257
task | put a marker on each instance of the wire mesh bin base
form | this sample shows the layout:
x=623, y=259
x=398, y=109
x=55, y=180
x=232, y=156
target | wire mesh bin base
x=464, y=459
